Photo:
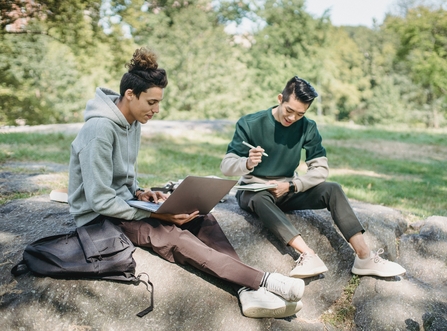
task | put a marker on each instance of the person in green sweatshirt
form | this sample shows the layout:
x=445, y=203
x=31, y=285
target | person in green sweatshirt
x=277, y=137
x=102, y=177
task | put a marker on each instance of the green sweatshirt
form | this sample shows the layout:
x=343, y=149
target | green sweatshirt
x=102, y=163
x=283, y=146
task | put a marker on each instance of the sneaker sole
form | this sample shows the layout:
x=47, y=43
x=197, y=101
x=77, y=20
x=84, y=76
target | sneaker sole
x=372, y=272
x=314, y=272
x=290, y=309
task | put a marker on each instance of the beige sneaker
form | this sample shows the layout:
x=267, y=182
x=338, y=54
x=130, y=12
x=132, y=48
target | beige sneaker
x=290, y=289
x=308, y=266
x=376, y=266
x=264, y=304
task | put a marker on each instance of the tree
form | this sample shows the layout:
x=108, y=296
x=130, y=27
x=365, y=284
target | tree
x=422, y=53
x=40, y=82
x=49, y=50
x=291, y=42
x=206, y=77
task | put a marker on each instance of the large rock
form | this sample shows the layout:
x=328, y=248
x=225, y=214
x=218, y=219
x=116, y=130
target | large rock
x=186, y=299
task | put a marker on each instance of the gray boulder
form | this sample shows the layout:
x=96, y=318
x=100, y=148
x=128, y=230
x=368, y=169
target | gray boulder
x=186, y=299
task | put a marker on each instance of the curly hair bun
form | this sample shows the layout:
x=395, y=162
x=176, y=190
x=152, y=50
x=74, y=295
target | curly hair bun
x=143, y=60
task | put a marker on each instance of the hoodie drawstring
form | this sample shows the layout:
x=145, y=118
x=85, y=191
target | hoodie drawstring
x=136, y=165
x=127, y=139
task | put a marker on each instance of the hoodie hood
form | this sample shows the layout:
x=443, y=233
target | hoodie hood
x=104, y=105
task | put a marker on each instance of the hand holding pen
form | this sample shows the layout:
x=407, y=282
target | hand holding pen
x=254, y=156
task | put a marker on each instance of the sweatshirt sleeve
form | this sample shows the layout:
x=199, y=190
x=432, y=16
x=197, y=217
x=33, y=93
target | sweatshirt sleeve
x=235, y=161
x=317, y=172
x=96, y=162
x=316, y=160
x=234, y=165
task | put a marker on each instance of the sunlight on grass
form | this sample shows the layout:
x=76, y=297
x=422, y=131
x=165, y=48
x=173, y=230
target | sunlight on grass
x=54, y=147
x=402, y=169
x=166, y=158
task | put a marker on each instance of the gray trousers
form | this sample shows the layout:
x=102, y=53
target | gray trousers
x=270, y=210
x=200, y=243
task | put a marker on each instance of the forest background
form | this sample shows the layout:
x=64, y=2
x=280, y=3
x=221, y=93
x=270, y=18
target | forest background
x=54, y=54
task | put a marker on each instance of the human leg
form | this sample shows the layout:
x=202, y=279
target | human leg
x=263, y=204
x=208, y=230
x=263, y=294
x=331, y=196
x=181, y=246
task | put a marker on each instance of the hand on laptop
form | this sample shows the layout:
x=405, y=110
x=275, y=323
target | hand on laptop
x=179, y=219
x=153, y=196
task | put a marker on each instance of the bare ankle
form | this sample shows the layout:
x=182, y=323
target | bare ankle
x=364, y=254
x=308, y=252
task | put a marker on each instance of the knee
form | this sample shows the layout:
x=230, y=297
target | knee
x=263, y=197
x=336, y=187
x=332, y=187
x=334, y=192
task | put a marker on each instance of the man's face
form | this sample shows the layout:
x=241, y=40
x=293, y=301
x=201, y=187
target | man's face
x=142, y=109
x=291, y=111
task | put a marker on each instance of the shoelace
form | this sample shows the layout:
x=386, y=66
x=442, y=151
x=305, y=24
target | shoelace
x=277, y=286
x=302, y=259
x=377, y=258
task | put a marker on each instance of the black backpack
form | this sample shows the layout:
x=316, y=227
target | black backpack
x=100, y=251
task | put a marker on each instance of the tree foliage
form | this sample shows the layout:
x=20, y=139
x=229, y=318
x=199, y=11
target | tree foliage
x=422, y=52
x=54, y=53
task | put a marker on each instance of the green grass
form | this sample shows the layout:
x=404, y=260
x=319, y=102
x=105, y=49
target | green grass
x=397, y=168
x=341, y=314
x=403, y=169
x=53, y=147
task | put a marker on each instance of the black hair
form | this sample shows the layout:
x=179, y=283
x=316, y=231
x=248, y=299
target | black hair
x=143, y=73
x=302, y=90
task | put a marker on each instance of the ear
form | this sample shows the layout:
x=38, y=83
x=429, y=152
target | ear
x=129, y=94
x=279, y=98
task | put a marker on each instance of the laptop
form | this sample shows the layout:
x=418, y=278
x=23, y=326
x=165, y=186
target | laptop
x=193, y=193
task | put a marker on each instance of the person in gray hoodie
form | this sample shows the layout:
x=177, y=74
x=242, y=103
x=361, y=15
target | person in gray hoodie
x=102, y=177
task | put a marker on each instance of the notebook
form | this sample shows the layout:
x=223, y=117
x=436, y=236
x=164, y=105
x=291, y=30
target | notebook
x=193, y=193
x=255, y=187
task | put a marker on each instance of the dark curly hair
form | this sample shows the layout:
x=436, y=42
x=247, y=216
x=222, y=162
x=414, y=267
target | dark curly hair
x=143, y=73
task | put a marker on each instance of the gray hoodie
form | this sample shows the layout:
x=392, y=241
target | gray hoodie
x=102, y=172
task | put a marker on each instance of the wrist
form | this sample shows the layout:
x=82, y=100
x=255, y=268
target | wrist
x=138, y=192
x=247, y=166
x=292, y=187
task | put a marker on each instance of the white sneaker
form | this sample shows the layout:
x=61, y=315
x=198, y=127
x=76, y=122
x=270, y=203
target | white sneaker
x=262, y=303
x=376, y=266
x=308, y=266
x=290, y=289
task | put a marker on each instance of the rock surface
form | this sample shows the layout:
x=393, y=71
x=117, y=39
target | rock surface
x=186, y=299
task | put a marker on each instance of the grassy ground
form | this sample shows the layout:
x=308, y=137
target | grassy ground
x=403, y=169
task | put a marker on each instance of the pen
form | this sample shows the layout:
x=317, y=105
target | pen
x=251, y=146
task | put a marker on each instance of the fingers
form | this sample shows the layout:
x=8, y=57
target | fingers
x=155, y=196
x=161, y=196
x=280, y=190
x=254, y=157
x=178, y=219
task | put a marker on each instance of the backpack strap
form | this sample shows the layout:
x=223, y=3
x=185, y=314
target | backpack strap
x=20, y=268
x=151, y=307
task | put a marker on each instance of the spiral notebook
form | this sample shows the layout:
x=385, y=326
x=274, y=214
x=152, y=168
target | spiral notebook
x=193, y=193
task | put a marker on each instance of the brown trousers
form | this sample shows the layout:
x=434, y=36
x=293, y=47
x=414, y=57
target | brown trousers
x=200, y=243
